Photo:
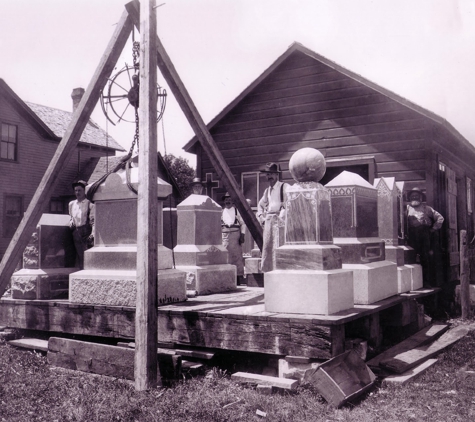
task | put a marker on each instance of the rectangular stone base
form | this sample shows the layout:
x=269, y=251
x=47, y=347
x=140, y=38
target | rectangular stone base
x=395, y=254
x=252, y=265
x=50, y=283
x=416, y=276
x=308, y=257
x=409, y=254
x=404, y=279
x=118, y=288
x=308, y=291
x=122, y=258
x=209, y=279
x=360, y=250
x=373, y=282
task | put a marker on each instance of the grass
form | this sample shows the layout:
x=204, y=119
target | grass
x=31, y=390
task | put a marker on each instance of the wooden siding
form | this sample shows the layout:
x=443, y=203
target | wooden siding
x=23, y=176
x=305, y=103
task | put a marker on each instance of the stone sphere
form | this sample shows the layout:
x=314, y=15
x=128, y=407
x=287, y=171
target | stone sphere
x=307, y=165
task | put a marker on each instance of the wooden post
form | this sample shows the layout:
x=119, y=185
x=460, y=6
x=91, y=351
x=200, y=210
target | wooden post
x=64, y=151
x=202, y=133
x=464, y=279
x=147, y=235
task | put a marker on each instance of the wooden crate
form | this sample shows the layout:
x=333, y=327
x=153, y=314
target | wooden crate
x=343, y=378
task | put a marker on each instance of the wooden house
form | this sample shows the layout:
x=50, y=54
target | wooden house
x=30, y=134
x=306, y=100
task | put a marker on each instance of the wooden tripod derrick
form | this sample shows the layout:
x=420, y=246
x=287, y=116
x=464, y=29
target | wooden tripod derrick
x=146, y=312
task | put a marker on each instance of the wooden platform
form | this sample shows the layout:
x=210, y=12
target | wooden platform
x=230, y=321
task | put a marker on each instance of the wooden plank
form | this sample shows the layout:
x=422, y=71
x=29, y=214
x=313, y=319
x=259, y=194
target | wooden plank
x=421, y=338
x=404, y=361
x=464, y=279
x=64, y=151
x=246, y=377
x=30, y=343
x=206, y=140
x=147, y=206
x=410, y=375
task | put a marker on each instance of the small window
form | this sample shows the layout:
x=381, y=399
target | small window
x=8, y=142
x=253, y=186
x=56, y=206
x=13, y=213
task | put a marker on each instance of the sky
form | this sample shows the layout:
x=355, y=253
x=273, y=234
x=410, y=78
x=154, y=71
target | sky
x=422, y=50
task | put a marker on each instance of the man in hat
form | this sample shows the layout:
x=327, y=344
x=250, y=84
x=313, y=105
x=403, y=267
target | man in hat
x=271, y=214
x=232, y=231
x=81, y=211
x=422, y=221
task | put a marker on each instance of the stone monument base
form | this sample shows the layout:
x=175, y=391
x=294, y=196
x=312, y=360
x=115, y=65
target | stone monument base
x=416, y=276
x=252, y=265
x=118, y=288
x=308, y=291
x=404, y=279
x=409, y=254
x=209, y=279
x=374, y=281
x=395, y=254
x=123, y=257
x=50, y=283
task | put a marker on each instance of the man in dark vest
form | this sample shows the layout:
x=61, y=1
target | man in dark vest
x=271, y=214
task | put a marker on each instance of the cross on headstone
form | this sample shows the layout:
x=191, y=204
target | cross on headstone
x=210, y=185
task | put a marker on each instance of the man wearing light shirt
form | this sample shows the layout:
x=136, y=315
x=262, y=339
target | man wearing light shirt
x=271, y=214
x=81, y=211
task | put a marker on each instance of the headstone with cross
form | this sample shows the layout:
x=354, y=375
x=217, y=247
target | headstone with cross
x=211, y=185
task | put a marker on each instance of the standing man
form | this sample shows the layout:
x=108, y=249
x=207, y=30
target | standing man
x=422, y=221
x=81, y=211
x=232, y=231
x=271, y=214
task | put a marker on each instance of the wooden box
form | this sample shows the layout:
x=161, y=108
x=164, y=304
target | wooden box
x=343, y=378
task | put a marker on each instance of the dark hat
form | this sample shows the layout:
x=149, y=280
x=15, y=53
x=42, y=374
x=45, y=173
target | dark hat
x=80, y=183
x=226, y=195
x=415, y=190
x=270, y=168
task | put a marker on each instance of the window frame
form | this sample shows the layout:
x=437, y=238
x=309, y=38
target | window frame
x=7, y=232
x=8, y=142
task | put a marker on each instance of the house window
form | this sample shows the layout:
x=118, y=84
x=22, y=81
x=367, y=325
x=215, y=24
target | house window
x=8, y=142
x=56, y=206
x=253, y=186
x=12, y=215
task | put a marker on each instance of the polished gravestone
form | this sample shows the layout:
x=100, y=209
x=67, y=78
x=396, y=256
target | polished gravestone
x=109, y=276
x=199, y=251
x=48, y=260
x=355, y=229
x=308, y=278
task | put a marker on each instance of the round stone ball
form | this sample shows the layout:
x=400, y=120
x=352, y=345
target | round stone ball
x=307, y=165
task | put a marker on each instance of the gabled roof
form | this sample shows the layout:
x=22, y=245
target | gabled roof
x=52, y=123
x=22, y=109
x=297, y=47
x=58, y=121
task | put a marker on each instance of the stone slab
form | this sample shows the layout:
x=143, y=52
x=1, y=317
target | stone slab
x=394, y=254
x=308, y=292
x=122, y=258
x=50, y=283
x=417, y=281
x=362, y=250
x=374, y=281
x=197, y=255
x=252, y=265
x=118, y=288
x=404, y=279
x=308, y=257
x=209, y=279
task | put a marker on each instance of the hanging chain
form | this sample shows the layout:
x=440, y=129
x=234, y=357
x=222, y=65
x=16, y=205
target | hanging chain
x=135, y=57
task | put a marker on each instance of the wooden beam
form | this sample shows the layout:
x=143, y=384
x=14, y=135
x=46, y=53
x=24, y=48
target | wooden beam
x=64, y=151
x=147, y=213
x=202, y=133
